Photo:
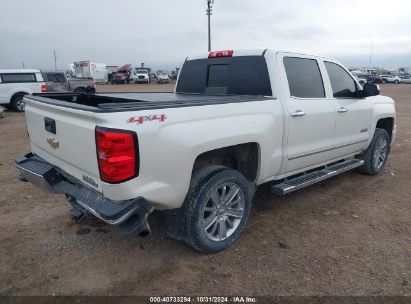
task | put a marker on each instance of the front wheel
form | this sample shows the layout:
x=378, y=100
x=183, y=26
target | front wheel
x=375, y=157
x=217, y=208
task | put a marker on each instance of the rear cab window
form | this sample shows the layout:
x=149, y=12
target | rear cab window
x=241, y=75
x=54, y=77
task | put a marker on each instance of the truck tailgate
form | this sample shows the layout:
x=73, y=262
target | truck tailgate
x=65, y=138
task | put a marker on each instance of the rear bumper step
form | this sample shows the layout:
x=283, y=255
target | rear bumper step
x=293, y=184
x=48, y=178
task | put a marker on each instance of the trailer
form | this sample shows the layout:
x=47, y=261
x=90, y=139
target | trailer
x=93, y=70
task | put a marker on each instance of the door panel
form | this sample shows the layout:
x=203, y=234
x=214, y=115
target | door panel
x=311, y=116
x=310, y=137
x=352, y=128
x=353, y=114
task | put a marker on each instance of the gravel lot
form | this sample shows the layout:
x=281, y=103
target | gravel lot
x=350, y=235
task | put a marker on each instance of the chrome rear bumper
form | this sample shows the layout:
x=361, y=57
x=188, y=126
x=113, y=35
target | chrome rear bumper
x=49, y=178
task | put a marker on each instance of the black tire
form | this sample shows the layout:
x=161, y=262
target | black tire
x=80, y=90
x=204, y=183
x=371, y=166
x=17, y=103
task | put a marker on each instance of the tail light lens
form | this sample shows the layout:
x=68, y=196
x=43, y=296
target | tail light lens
x=227, y=53
x=117, y=154
x=43, y=88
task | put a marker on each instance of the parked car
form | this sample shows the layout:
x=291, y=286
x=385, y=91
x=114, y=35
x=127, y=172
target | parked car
x=123, y=74
x=141, y=76
x=58, y=82
x=406, y=79
x=198, y=154
x=363, y=79
x=376, y=79
x=14, y=84
x=390, y=79
x=162, y=76
x=152, y=76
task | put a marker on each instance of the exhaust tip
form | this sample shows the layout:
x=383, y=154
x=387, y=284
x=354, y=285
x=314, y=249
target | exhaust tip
x=144, y=231
x=144, y=234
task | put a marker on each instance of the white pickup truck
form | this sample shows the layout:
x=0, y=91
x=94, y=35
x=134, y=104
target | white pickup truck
x=237, y=119
x=14, y=84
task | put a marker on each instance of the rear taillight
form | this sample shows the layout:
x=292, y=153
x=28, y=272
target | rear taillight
x=117, y=154
x=227, y=53
x=43, y=88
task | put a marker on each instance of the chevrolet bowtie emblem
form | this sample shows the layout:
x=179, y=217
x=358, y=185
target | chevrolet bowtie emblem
x=53, y=143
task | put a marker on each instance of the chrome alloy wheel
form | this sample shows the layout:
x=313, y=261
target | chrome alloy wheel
x=380, y=153
x=223, y=212
x=20, y=104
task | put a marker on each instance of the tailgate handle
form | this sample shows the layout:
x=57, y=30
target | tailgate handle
x=50, y=125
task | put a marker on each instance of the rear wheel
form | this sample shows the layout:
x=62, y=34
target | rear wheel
x=217, y=208
x=375, y=157
x=80, y=90
x=18, y=103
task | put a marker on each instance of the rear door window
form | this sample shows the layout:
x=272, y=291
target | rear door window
x=343, y=85
x=242, y=75
x=304, y=77
x=17, y=77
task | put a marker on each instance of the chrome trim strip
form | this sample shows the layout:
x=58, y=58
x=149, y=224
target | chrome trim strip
x=326, y=150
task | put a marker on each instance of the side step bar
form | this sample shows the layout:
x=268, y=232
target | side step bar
x=296, y=183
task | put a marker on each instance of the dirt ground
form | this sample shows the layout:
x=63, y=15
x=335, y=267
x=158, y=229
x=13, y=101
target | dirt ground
x=350, y=235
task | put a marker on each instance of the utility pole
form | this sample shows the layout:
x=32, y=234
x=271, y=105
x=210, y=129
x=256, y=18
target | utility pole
x=369, y=63
x=24, y=66
x=55, y=60
x=209, y=12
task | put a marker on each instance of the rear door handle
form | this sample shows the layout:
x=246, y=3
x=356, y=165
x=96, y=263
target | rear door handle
x=342, y=110
x=298, y=113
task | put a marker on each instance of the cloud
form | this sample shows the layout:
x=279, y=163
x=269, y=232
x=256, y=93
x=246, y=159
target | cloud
x=162, y=33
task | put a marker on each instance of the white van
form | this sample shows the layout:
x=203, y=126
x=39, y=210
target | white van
x=14, y=84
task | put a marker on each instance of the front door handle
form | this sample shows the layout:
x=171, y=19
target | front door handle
x=298, y=113
x=342, y=110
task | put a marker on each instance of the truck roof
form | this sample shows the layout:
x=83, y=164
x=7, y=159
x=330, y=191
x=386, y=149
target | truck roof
x=253, y=52
x=19, y=71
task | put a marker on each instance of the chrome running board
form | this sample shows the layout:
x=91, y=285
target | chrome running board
x=292, y=184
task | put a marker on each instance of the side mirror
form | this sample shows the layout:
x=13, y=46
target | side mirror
x=370, y=89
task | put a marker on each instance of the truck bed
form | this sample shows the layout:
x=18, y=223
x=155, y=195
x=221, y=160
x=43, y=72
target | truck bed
x=120, y=102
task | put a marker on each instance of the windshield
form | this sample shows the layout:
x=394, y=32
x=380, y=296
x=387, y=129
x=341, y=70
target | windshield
x=243, y=75
x=141, y=71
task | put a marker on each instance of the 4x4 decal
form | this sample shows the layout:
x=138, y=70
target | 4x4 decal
x=142, y=119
